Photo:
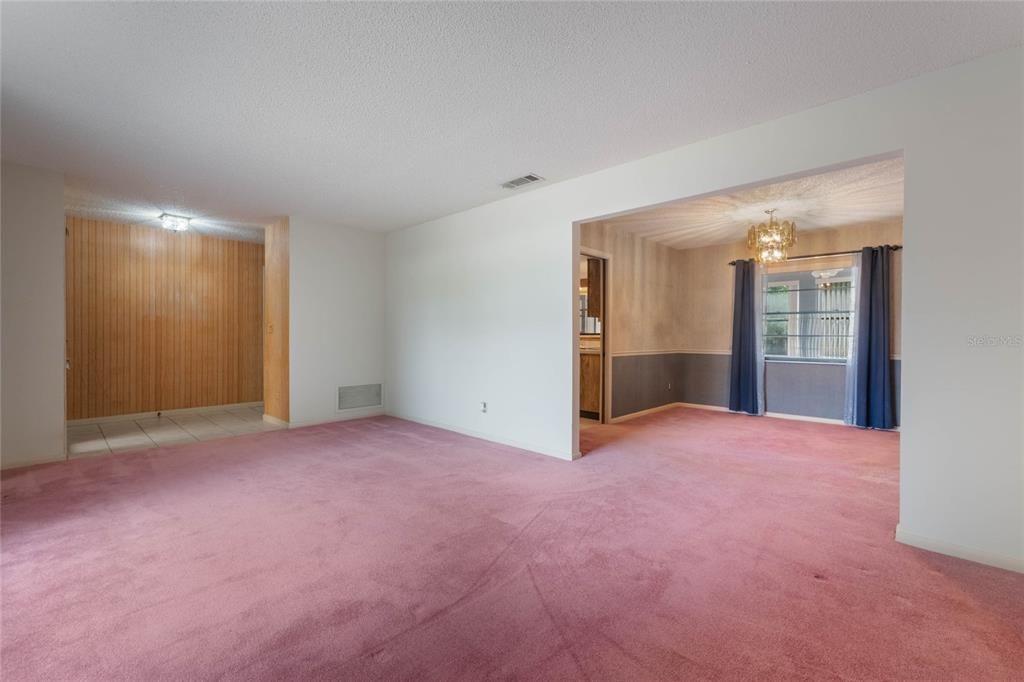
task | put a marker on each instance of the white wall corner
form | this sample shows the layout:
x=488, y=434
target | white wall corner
x=32, y=310
x=511, y=442
x=342, y=416
x=336, y=316
x=960, y=551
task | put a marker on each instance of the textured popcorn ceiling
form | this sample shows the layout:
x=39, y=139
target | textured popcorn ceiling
x=865, y=193
x=384, y=115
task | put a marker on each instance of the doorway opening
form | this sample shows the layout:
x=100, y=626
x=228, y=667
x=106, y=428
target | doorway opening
x=674, y=290
x=164, y=332
x=592, y=322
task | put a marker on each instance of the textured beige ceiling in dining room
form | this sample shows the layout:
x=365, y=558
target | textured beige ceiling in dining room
x=850, y=196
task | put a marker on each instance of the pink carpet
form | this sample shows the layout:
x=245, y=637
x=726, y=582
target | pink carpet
x=685, y=545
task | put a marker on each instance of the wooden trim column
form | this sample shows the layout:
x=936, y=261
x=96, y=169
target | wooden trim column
x=275, y=322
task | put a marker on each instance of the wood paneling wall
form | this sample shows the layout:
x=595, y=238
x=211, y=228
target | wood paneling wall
x=276, y=375
x=160, y=320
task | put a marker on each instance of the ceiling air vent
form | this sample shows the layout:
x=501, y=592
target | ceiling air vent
x=516, y=183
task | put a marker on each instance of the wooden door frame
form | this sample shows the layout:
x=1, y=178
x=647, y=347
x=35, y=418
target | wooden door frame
x=606, y=356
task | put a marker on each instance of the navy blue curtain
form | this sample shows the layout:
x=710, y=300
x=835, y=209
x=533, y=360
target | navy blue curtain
x=874, y=397
x=743, y=380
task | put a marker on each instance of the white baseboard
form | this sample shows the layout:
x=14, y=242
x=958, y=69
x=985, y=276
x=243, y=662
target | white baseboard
x=641, y=413
x=667, y=406
x=6, y=465
x=959, y=551
x=485, y=436
x=347, y=415
x=702, y=406
x=719, y=408
x=152, y=415
x=802, y=418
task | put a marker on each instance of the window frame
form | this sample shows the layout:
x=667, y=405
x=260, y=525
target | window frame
x=792, y=342
x=853, y=316
x=795, y=342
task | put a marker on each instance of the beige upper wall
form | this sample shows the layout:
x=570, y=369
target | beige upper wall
x=643, y=288
x=672, y=300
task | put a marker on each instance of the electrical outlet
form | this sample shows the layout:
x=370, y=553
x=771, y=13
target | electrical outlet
x=483, y=407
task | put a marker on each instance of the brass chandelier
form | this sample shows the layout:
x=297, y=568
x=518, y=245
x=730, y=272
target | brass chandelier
x=770, y=241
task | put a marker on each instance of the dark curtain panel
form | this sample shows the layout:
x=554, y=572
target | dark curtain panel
x=874, y=394
x=743, y=379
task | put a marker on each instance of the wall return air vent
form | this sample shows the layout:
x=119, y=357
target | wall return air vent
x=366, y=395
x=516, y=183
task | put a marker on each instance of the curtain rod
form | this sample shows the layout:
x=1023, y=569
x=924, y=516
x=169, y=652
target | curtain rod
x=895, y=247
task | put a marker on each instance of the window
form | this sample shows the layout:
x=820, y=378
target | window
x=781, y=310
x=808, y=315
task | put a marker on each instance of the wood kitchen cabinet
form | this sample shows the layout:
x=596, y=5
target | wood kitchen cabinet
x=590, y=384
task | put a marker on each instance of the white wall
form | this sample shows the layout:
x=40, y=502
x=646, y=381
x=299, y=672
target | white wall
x=481, y=303
x=336, y=326
x=32, y=312
x=476, y=313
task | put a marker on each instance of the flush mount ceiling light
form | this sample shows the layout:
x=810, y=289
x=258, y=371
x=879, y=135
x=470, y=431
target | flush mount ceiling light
x=771, y=241
x=178, y=223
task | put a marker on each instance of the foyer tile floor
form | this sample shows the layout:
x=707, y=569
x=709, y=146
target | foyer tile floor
x=86, y=440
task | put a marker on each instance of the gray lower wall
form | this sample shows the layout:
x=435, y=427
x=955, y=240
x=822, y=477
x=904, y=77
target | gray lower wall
x=640, y=382
x=705, y=379
x=808, y=389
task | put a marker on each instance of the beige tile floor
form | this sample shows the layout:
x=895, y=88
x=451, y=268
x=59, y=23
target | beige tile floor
x=86, y=440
